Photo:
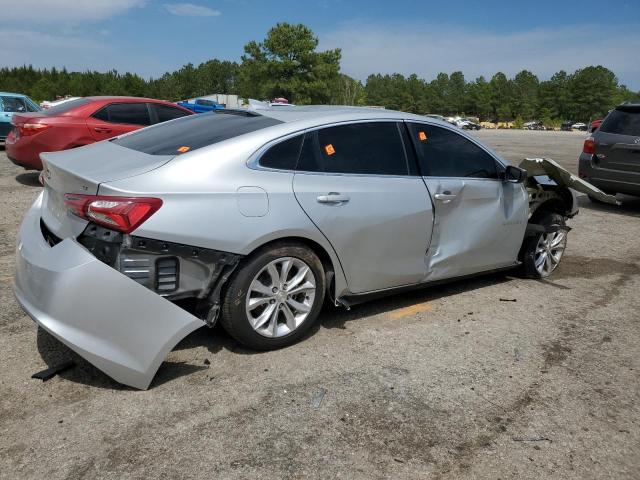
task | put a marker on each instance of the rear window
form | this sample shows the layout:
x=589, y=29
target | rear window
x=622, y=122
x=194, y=132
x=66, y=106
x=165, y=112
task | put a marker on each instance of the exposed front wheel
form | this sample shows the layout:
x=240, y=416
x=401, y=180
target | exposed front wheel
x=275, y=297
x=542, y=253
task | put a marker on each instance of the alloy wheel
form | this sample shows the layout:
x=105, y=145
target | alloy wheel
x=280, y=297
x=549, y=251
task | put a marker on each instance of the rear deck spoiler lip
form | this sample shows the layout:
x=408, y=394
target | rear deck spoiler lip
x=562, y=177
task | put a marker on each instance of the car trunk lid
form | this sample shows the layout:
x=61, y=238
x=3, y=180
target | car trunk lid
x=81, y=171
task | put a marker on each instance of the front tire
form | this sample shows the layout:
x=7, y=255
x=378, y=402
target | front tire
x=542, y=253
x=274, y=297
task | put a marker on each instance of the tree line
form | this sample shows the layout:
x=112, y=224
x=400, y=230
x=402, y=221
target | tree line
x=287, y=64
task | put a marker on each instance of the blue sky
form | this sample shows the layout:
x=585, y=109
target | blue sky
x=150, y=37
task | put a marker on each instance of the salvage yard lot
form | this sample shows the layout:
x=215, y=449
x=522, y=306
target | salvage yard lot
x=494, y=377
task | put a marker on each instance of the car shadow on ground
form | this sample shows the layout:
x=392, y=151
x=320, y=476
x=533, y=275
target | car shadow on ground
x=628, y=205
x=29, y=179
x=53, y=352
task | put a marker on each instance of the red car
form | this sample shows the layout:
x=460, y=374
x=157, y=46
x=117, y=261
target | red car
x=80, y=122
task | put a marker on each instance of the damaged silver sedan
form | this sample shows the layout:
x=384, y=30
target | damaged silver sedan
x=253, y=218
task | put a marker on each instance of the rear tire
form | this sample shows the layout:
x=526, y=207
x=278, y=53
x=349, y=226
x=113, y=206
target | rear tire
x=274, y=297
x=542, y=253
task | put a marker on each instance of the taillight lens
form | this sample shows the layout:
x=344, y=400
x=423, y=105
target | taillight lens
x=123, y=214
x=27, y=129
x=589, y=146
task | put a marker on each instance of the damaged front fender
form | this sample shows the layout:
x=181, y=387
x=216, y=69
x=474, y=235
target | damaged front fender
x=118, y=325
x=564, y=178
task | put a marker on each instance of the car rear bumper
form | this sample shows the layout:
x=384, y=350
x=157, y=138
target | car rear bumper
x=23, y=154
x=119, y=326
x=608, y=180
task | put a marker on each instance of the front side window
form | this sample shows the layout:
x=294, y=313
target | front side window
x=165, y=112
x=372, y=148
x=14, y=104
x=284, y=155
x=622, y=122
x=445, y=153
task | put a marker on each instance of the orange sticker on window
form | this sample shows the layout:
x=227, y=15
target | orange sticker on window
x=422, y=136
x=329, y=149
x=183, y=149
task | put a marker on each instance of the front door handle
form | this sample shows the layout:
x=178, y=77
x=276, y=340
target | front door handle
x=445, y=196
x=333, y=198
x=102, y=129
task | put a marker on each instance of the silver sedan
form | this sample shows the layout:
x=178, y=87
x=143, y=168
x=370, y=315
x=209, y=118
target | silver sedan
x=254, y=218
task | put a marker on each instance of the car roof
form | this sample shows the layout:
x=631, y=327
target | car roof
x=323, y=114
x=22, y=95
x=112, y=98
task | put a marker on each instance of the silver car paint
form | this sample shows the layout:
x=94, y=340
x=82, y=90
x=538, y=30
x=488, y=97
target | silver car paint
x=213, y=199
x=119, y=326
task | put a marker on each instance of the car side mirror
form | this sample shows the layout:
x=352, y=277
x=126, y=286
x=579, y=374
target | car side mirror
x=514, y=174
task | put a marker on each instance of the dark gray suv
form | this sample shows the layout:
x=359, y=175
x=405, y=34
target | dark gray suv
x=610, y=158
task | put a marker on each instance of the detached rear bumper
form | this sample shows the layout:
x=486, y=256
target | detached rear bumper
x=119, y=326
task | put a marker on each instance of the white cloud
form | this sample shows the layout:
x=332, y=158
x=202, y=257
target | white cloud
x=190, y=10
x=45, y=11
x=427, y=50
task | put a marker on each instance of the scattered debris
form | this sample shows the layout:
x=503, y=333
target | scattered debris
x=508, y=299
x=517, y=354
x=206, y=361
x=45, y=375
x=531, y=439
x=399, y=460
x=316, y=401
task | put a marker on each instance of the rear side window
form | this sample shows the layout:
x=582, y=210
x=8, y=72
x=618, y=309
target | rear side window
x=284, y=155
x=444, y=153
x=373, y=148
x=194, y=131
x=165, y=112
x=622, y=122
x=14, y=104
x=129, y=113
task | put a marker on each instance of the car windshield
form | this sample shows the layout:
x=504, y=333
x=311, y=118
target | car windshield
x=195, y=131
x=622, y=122
x=66, y=106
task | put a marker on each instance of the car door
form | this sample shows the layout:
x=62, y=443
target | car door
x=9, y=106
x=117, y=118
x=355, y=183
x=479, y=219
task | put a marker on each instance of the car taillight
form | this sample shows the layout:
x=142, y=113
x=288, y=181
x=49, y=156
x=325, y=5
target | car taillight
x=589, y=146
x=123, y=214
x=27, y=129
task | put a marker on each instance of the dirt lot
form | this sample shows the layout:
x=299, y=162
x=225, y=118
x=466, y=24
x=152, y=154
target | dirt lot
x=449, y=382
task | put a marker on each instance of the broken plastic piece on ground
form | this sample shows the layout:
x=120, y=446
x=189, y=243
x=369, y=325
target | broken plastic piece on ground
x=508, y=300
x=316, y=401
x=51, y=372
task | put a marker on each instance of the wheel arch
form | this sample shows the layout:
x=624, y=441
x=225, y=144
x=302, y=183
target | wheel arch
x=336, y=281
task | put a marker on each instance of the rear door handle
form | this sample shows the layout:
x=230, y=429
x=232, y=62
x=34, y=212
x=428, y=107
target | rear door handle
x=102, y=129
x=445, y=196
x=333, y=198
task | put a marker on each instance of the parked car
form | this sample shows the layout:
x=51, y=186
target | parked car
x=579, y=126
x=593, y=126
x=566, y=126
x=258, y=216
x=534, y=125
x=467, y=124
x=10, y=104
x=610, y=157
x=201, y=105
x=81, y=122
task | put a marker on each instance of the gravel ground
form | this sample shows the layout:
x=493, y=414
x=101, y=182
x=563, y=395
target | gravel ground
x=448, y=382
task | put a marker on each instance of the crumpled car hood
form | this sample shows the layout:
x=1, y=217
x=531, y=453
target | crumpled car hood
x=547, y=166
